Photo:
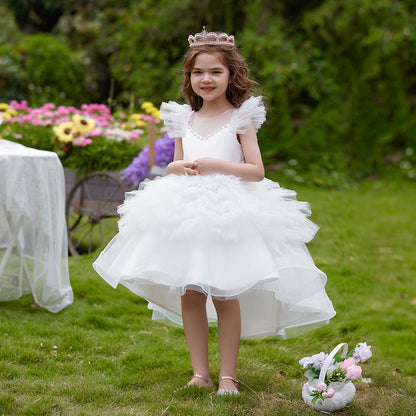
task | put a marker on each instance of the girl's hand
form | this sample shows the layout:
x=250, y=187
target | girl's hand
x=207, y=165
x=181, y=167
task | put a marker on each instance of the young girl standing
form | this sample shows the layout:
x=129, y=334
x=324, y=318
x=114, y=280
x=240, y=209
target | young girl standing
x=213, y=241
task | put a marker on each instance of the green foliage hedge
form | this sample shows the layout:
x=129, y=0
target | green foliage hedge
x=339, y=77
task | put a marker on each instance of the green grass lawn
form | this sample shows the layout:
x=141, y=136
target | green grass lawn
x=104, y=356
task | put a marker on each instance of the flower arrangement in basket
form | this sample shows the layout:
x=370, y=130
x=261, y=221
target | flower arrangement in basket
x=331, y=377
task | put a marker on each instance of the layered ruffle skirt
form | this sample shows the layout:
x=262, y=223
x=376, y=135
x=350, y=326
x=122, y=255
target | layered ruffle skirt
x=226, y=238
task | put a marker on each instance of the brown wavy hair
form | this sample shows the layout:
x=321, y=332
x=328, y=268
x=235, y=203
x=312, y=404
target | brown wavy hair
x=240, y=85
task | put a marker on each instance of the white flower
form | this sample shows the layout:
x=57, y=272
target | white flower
x=405, y=164
x=362, y=352
x=316, y=361
x=290, y=172
x=305, y=362
x=409, y=151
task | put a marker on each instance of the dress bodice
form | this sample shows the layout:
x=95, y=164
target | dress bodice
x=222, y=142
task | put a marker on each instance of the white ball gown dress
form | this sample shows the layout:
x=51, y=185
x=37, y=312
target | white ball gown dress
x=220, y=235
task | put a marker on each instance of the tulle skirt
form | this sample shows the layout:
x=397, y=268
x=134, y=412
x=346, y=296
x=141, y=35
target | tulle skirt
x=226, y=238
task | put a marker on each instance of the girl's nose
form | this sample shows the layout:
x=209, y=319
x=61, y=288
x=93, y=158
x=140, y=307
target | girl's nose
x=206, y=77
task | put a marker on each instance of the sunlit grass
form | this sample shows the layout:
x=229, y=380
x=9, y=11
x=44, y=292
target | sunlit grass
x=104, y=356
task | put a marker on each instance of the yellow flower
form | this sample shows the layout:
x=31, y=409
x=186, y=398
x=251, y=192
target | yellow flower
x=141, y=123
x=83, y=124
x=135, y=116
x=10, y=113
x=146, y=105
x=155, y=113
x=4, y=106
x=64, y=132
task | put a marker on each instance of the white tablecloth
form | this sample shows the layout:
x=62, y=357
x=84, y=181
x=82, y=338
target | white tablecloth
x=32, y=207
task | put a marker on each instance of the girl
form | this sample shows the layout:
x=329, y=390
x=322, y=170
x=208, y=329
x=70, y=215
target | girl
x=213, y=241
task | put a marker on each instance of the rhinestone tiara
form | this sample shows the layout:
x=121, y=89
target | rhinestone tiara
x=210, y=38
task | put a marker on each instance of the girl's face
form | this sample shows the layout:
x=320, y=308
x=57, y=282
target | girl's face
x=209, y=77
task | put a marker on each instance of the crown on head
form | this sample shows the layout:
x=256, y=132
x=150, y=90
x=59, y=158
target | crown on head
x=210, y=38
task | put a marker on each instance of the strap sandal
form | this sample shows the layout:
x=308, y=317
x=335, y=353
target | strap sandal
x=228, y=392
x=207, y=380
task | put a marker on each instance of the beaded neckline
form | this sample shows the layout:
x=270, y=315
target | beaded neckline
x=209, y=119
x=198, y=136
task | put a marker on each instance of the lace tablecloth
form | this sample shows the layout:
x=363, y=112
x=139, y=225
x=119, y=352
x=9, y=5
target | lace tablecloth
x=33, y=236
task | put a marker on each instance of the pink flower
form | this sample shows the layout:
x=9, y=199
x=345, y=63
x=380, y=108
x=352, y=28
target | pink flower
x=321, y=387
x=81, y=141
x=62, y=110
x=348, y=363
x=353, y=372
x=134, y=136
x=86, y=142
x=94, y=133
x=328, y=394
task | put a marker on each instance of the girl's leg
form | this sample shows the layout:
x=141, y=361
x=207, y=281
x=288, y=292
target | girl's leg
x=229, y=331
x=195, y=323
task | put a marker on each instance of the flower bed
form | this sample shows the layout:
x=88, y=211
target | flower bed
x=89, y=138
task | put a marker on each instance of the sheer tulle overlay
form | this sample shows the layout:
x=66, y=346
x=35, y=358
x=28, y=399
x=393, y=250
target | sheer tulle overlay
x=224, y=237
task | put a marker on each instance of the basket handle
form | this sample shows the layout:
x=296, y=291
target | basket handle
x=330, y=357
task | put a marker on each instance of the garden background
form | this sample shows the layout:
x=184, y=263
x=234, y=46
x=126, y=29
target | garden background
x=340, y=78
x=340, y=82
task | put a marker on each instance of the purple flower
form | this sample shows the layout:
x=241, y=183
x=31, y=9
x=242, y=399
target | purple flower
x=164, y=150
x=138, y=168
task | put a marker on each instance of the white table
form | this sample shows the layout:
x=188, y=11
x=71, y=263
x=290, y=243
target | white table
x=33, y=235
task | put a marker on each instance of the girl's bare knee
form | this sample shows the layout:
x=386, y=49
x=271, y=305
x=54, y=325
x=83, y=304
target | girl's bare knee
x=194, y=298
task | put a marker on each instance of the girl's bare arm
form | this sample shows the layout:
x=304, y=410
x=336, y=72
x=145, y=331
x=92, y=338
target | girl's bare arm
x=180, y=166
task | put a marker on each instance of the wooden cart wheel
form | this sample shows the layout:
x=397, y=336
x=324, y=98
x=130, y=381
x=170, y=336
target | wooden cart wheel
x=91, y=211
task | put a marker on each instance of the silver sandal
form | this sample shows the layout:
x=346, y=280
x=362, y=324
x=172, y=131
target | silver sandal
x=227, y=392
x=207, y=380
